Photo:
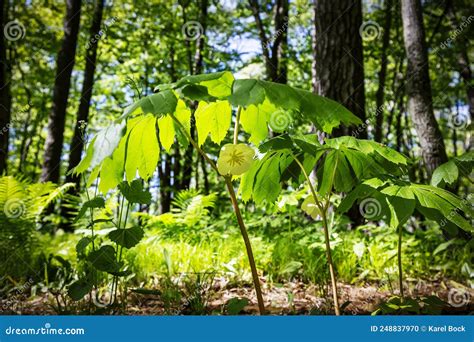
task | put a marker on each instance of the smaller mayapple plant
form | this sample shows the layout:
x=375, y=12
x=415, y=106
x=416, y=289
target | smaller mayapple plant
x=361, y=169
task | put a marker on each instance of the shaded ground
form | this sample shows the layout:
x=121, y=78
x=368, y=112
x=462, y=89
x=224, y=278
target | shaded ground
x=289, y=298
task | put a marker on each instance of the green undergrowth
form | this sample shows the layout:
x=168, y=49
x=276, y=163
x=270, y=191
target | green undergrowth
x=364, y=255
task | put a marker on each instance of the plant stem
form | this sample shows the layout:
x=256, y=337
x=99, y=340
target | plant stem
x=400, y=272
x=323, y=210
x=238, y=214
x=248, y=246
x=236, y=126
x=331, y=264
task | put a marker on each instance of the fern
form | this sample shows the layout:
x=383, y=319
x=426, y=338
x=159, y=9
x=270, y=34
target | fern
x=21, y=207
x=190, y=207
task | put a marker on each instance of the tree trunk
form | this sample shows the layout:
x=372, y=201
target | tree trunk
x=5, y=95
x=338, y=62
x=339, y=57
x=280, y=45
x=57, y=116
x=418, y=84
x=198, y=57
x=274, y=50
x=464, y=66
x=82, y=119
x=379, y=96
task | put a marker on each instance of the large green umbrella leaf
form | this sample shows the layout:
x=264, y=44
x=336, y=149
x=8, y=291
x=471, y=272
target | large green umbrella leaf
x=254, y=121
x=429, y=199
x=213, y=118
x=263, y=181
x=142, y=148
x=166, y=132
x=327, y=174
x=449, y=172
x=102, y=146
x=401, y=209
x=446, y=173
x=158, y=105
x=218, y=84
x=322, y=112
x=112, y=170
x=247, y=92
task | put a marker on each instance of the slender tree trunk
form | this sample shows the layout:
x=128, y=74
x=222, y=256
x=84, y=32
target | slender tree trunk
x=187, y=43
x=77, y=144
x=379, y=96
x=339, y=57
x=280, y=45
x=464, y=66
x=274, y=50
x=198, y=57
x=185, y=176
x=195, y=68
x=271, y=71
x=5, y=95
x=57, y=116
x=418, y=87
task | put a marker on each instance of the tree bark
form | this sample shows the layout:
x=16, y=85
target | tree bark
x=418, y=87
x=5, y=95
x=464, y=65
x=280, y=45
x=338, y=54
x=379, y=96
x=274, y=49
x=77, y=144
x=198, y=57
x=57, y=116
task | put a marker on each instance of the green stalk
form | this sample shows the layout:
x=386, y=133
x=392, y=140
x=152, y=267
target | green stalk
x=400, y=271
x=236, y=126
x=238, y=214
x=248, y=245
x=323, y=210
x=92, y=234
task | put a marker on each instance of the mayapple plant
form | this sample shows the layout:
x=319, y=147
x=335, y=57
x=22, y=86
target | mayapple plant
x=362, y=169
x=129, y=148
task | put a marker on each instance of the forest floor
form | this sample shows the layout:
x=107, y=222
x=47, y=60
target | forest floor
x=291, y=298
